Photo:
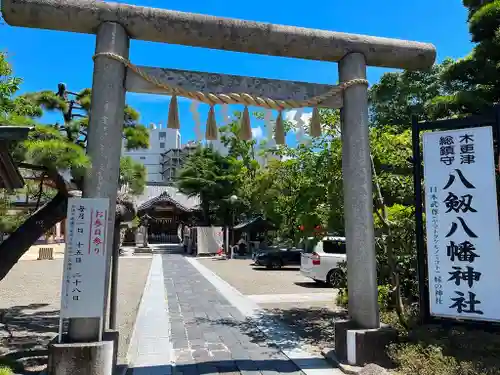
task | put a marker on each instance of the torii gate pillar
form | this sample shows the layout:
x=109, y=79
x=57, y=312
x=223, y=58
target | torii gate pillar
x=358, y=197
x=115, y=23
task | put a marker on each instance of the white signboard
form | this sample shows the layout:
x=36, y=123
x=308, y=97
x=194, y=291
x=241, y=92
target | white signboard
x=84, y=271
x=463, y=242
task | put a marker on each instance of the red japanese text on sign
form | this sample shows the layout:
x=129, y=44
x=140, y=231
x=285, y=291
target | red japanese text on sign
x=98, y=232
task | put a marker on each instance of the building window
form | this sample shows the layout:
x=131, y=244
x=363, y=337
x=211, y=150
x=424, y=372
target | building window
x=162, y=144
x=162, y=135
x=142, y=158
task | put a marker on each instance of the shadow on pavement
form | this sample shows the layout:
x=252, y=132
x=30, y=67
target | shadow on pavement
x=228, y=366
x=287, y=329
x=314, y=325
x=25, y=328
x=311, y=285
x=25, y=332
x=256, y=268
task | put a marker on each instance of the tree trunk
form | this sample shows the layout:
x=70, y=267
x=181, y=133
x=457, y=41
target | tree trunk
x=13, y=248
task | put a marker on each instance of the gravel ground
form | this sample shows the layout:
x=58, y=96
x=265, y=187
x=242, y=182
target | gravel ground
x=30, y=299
x=249, y=280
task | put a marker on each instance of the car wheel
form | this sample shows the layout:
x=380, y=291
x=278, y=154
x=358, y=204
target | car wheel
x=334, y=278
x=276, y=264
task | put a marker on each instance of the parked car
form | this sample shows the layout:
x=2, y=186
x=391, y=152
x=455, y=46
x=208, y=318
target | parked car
x=277, y=258
x=321, y=261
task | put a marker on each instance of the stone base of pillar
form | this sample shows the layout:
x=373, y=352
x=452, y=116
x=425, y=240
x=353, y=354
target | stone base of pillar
x=143, y=250
x=358, y=347
x=114, y=336
x=83, y=358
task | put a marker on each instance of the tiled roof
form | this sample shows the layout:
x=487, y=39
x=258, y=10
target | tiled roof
x=155, y=194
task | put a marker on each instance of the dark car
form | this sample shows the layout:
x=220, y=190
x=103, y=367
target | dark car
x=277, y=258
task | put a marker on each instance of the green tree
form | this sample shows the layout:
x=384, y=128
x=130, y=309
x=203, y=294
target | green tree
x=304, y=187
x=53, y=148
x=241, y=154
x=10, y=110
x=210, y=176
x=13, y=109
x=394, y=212
x=472, y=82
x=400, y=95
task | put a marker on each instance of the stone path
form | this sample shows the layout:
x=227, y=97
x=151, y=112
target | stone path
x=209, y=335
x=198, y=330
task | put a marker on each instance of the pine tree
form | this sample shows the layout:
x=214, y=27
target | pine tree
x=474, y=81
x=52, y=148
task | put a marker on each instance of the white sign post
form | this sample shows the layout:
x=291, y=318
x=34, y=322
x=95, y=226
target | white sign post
x=83, y=284
x=463, y=241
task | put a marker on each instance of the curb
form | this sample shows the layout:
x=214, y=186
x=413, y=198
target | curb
x=368, y=369
x=331, y=358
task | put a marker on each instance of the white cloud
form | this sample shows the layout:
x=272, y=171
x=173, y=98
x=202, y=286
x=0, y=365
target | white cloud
x=257, y=132
x=290, y=116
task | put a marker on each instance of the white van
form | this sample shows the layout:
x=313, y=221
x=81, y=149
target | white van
x=320, y=262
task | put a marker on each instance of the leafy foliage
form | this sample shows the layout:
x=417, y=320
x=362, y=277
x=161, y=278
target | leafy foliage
x=209, y=175
x=297, y=187
x=133, y=175
x=62, y=146
x=472, y=82
x=52, y=150
x=8, y=221
x=400, y=95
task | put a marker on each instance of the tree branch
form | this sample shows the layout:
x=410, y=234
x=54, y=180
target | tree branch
x=51, y=173
x=40, y=192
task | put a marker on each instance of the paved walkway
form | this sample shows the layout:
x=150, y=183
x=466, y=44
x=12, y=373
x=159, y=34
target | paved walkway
x=187, y=326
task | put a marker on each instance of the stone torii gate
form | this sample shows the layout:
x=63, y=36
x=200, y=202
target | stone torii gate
x=115, y=24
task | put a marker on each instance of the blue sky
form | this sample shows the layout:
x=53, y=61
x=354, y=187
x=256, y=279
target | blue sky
x=43, y=58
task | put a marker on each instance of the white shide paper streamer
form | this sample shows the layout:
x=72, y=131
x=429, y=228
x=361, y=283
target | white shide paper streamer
x=193, y=108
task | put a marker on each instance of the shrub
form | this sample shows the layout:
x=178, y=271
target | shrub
x=417, y=359
x=384, y=297
x=404, y=248
x=442, y=350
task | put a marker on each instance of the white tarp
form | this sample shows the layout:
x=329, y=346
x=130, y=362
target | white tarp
x=210, y=239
